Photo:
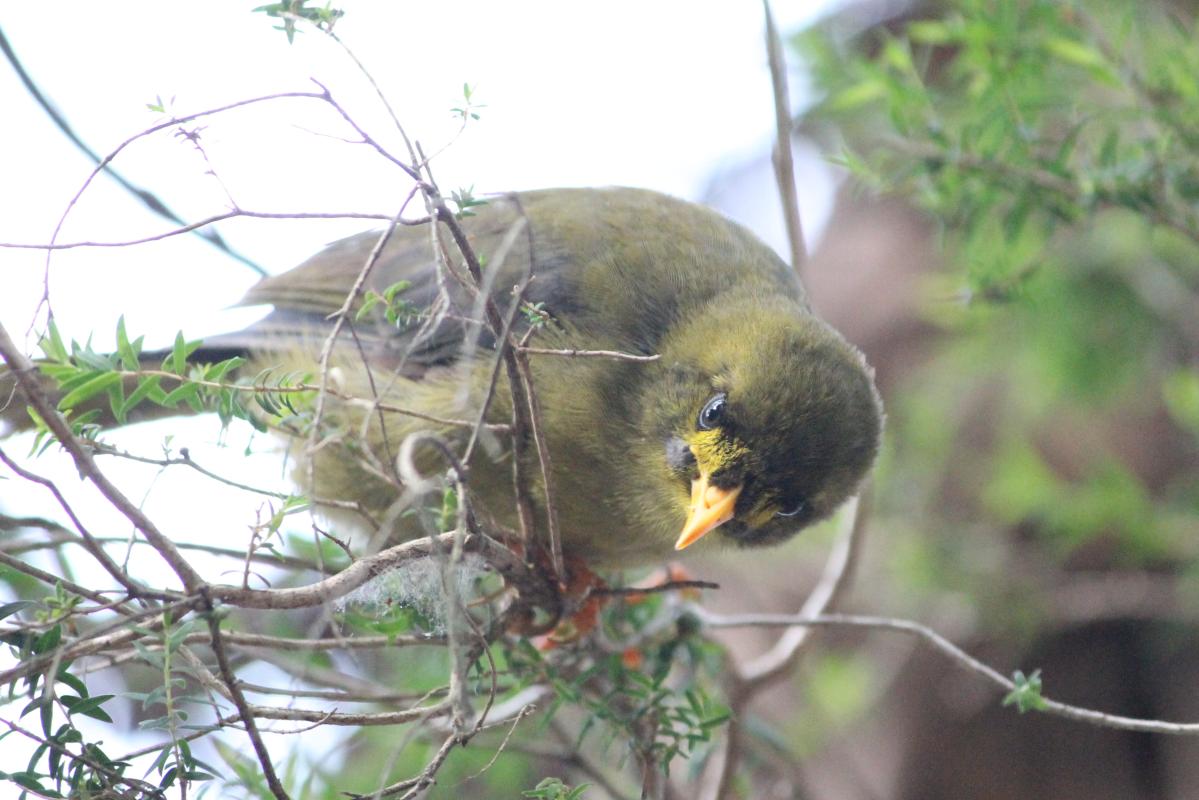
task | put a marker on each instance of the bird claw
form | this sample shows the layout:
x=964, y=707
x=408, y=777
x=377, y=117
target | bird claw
x=581, y=606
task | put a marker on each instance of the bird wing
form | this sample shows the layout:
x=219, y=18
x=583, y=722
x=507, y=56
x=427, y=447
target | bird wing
x=306, y=298
x=616, y=267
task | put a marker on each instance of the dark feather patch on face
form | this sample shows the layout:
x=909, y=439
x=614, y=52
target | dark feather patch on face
x=810, y=417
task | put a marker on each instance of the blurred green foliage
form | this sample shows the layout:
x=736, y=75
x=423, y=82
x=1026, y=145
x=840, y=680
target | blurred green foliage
x=1054, y=149
x=1052, y=429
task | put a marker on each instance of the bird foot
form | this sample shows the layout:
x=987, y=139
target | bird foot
x=581, y=606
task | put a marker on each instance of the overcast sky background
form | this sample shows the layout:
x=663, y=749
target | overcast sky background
x=661, y=95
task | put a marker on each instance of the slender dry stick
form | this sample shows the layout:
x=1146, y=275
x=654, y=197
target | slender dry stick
x=104, y=162
x=378, y=92
x=547, y=467
x=48, y=578
x=471, y=343
x=524, y=712
x=340, y=317
x=18, y=546
x=239, y=700
x=147, y=198
x=745, y=682
x=86, y=539
x=957, y=654
x=498, y=362
x=520, y=408
x=834, y=580
x=211, y=220
x=232, y=692
x=784, y=163
x=616, y=355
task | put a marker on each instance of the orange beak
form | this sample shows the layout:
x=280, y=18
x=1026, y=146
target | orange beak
x=711, y=507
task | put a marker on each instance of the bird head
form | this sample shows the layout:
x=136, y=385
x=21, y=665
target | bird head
x=769, y=420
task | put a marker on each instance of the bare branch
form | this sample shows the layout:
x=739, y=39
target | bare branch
x=955, y=653
x=784, y=164
x=838, y=570
x=215, y=218
x=613, y=354
x=239, y=700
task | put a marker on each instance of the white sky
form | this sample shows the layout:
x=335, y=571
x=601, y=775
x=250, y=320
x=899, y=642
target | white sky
x=653, y=94
x=656, y=94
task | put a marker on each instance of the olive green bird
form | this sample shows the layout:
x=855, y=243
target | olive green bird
x=756, y=420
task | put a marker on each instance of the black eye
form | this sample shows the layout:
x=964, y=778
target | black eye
x=712, y=413
x=793, y=509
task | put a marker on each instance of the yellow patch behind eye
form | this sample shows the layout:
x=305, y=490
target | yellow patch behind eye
x=714, y=451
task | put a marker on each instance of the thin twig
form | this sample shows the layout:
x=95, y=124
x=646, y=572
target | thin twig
x=547, y=467
x=743, y=683
x=86, y=539
x=211, y=220
x=948, y=648
x=24, y=370
x=659, y=588
x=48, y=578
x=149, y=199
x=784, y=163
x=613, y=354
x=838, y=570
x=239, y=700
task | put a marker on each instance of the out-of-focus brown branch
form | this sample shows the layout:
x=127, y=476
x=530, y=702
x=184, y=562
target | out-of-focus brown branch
x=784, y=162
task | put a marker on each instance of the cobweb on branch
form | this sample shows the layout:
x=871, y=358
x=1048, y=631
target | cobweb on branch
x=418, y=585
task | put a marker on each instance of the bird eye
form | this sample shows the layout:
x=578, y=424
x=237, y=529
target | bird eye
x=712, y=412
x=794, y=509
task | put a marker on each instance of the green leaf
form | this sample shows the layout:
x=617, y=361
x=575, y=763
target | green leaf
x=932, y=32
x=70, y=680
x=179, y=354
x=218, y=371
x=89, y=388
x=183, y=392
x=116, y=400
x=48, y=640
x=371, y=299
x=1082, y=55
x=1074, y=52
x=1027, y=694
x=52, y=345
x=8, y=609
x=181, y=350
x=144, y=387
x=389, y=294
x=125, y=348
x=866, y=91
x=90, y=707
